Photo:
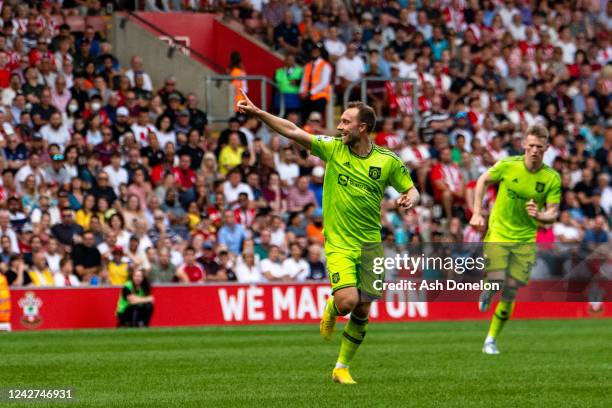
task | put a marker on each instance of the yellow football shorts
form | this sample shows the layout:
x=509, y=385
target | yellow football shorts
x=353, y=268
x=515, y=258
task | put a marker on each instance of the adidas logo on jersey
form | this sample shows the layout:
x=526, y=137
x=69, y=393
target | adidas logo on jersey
x=347, y=164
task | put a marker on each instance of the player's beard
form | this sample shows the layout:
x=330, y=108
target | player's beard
x=349, y=139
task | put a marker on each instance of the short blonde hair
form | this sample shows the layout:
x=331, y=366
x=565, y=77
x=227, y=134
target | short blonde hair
x=538, y=131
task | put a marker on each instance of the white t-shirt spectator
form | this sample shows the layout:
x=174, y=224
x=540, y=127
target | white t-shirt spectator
x=606, y=199
x=569, y=51
x=246, y=274
x=231, y=193
x=288, y=172
x=23, y=174
x=165, y=137
x=59, y=136
x=498, y=154
x=335, y=47
x=142, y=133
x=350, y=69
x=274, y=268
x=116, y=177
x=298, y=270
x=278, y=238
x=60, y=280
x=53, y=261
x=414, y=155
x=569, y=232
x=406, y=70
x=54, y=213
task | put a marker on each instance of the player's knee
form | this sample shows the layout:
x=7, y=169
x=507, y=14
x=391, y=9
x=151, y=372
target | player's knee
x=510, y=291
x=345, y=305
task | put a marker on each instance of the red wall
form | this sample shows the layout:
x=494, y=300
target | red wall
x=215, y=41
x=241, y=304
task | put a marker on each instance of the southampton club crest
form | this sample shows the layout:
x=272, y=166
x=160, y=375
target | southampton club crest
x=539, y=187
x=374, y=173
x=30, y=304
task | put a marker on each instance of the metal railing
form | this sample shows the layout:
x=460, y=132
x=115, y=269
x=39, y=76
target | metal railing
x=215, y=80
x=363, y=83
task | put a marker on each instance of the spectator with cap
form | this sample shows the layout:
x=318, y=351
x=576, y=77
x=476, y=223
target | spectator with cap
x=447, y=182
x=56, y=173
x=215, y=270
x=118, y=267
x=168, y=89
x=182, y=124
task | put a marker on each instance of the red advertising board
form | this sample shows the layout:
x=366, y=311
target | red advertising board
x=199, y=305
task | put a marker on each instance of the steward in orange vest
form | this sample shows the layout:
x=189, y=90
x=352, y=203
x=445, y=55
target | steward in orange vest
x=5, y=304
x=315, y=89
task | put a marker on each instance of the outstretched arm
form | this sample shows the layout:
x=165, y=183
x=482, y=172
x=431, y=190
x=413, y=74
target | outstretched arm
x=279, y=125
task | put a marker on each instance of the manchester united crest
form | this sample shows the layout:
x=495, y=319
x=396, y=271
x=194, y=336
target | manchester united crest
x=374, y=173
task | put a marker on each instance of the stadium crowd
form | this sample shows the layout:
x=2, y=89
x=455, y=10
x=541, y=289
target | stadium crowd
x=104, y=172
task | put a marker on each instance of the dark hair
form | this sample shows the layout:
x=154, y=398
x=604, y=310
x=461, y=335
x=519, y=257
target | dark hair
x=162, y=117
x=145, y=285
x=365, y=114
x=120, y=219
x=64, y=261
x=235, y=60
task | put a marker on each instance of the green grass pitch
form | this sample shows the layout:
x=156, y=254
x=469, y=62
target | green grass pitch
x=544, y=363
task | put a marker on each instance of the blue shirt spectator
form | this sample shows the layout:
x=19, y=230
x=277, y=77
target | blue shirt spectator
x=231, y=234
